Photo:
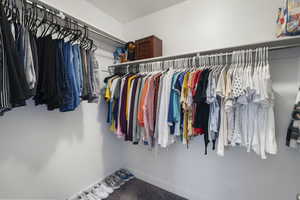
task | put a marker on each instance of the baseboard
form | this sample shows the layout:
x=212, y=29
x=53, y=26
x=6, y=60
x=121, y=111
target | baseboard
x=160, y=183
x=25, y=199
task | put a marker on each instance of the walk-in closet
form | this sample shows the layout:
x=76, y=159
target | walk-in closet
x=149, y=99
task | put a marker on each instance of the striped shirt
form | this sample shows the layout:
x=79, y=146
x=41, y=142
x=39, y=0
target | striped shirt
x=4, y=80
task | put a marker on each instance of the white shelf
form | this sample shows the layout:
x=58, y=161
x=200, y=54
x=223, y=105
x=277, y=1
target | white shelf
x=280, y=43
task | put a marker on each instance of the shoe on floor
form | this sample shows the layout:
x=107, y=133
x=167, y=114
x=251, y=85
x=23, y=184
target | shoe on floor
x=122, y=175
x=118, y=179
x=112, y=182
x=128, y=173
x=91, y=196
x=100, y=192
x=106, y=188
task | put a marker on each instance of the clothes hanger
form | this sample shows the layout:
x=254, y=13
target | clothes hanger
x=214, y=62
x=30, y=13
x=53, y=25
x=260, y=58
x=94, y=48
x=44, y=23
x=82, y=41
x=219, y=63
x=62, y=30
x=209, y=63
x=33, y=18
x=202, y=62
x=23, y=11
x=266, y=65
x=15, y=13
x=241, y=63
x=224, y=67
x=231, y=66
x=236, y=63
x=267, y=57
x=249, y=69
x=77, y=33
x=47, y=25
x=50, y=23
x=86, y=39
x=204, y=58
x=7, y=10
x=56, y=27
x=205, y=62
x=38, y=22
x=67, y=31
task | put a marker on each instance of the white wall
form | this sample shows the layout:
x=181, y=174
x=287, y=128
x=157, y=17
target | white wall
x=239, y=175
x=88, y=13
x=208, y=24
x=52, y=155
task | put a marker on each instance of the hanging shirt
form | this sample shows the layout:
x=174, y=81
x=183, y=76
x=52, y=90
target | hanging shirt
x=173, y=110
x=148, y=110
x=142, y=103
x=165, y=138
x=4, y=81
x=136, y=133
x=221, y=92
x=202, y=108
x=19, y=90
x=131, y=124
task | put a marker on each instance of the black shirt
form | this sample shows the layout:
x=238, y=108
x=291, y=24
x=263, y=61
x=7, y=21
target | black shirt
x=202, y=108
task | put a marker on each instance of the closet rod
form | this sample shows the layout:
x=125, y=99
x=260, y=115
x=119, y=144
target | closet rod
x=273, y=45
x=81, y=23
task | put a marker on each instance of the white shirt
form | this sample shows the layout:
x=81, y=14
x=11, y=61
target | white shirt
x=164, y=136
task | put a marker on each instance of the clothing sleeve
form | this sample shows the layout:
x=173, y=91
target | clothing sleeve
x=171, y=102
x=142, y=104
x=148, y=108
x=198, y=93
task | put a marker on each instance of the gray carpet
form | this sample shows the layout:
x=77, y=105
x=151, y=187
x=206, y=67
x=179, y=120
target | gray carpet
x=139, y=190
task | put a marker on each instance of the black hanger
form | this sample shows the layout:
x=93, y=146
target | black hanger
x=84, y=41
x=77, y=32
x=60, y=32
x=26, y=15
x=30, y=16
x=43, y=21
x=15, y=13
x=68, y=30
x=63, y=33
x=7, y=9
x=73, y=30
x=51, y=23
x=36, y=20
x=33, y=17
x=23, y=4
x=94, y=47
x=46, y=24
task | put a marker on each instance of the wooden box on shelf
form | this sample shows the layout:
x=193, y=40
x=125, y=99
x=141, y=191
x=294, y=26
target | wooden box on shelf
x=148, y=47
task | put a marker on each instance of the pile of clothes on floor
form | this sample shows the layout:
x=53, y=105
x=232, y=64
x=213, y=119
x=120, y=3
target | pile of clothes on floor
x=102, y=190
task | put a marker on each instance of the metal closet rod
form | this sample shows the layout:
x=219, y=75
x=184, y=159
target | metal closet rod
x=81, y=23
x=273, y=45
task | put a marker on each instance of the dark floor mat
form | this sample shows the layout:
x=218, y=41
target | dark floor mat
x=140, y=190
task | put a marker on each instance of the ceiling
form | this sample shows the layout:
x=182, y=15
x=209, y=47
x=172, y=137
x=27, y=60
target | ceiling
x=128, y=10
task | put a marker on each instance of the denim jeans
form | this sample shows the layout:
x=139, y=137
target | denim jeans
x=78, y=67
x=69, y=92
